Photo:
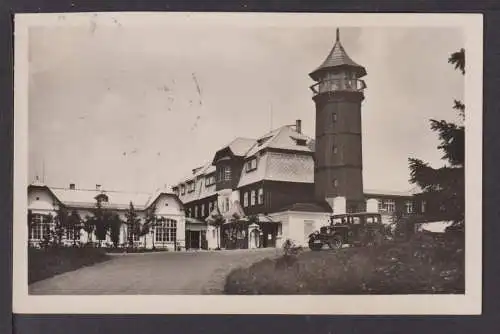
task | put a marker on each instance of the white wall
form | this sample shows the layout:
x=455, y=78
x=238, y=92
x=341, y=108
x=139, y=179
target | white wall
x=167, y=206
x=294, y=223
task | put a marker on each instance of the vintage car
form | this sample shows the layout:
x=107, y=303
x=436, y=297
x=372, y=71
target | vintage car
x=356, y=229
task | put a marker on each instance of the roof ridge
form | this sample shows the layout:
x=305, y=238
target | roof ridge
x=101, y=190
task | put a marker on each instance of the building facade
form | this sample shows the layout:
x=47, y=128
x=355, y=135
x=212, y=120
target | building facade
x=287, y=183
x=167, y=229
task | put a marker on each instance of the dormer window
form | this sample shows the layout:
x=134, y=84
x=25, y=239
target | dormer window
x=190, y=187
x=263, y=140
x=251, y=165
x=102, y=198
x=301, y=142
x=183, y=189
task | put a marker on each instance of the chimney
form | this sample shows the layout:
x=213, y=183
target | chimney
x=298, y=126
x=98, y=187
x=72, y=186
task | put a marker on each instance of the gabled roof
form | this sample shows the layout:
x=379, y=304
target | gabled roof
x=337, y=57
x=283, y=138
x=238, y=148
x=86, y=198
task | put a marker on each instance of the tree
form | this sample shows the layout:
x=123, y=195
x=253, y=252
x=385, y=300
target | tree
x=102, y=220
x=149, y=224
x=445, y=185
x=114, y=225
x=89, y=227
x=61, y=223
x=74, y=224
x=133, y=224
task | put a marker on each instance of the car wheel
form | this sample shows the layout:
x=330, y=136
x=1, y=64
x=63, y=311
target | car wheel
x=336, y=242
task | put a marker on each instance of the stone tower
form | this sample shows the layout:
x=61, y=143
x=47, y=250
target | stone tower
x=338, y=94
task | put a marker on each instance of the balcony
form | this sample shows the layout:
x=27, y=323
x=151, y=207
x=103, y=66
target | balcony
x=336, y=85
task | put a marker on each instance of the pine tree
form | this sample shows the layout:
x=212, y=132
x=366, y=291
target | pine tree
x=445, y=186
x=133, y=224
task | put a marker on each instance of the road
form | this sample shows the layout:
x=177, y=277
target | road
x=159, y=273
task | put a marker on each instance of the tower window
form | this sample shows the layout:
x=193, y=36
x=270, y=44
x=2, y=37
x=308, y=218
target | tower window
x=334, y=149
x=335, y=183
x=334, y=117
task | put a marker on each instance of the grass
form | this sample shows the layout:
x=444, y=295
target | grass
x=421, y=266
x=46, y=263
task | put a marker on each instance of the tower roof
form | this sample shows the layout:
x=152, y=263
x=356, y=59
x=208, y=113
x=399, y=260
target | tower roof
x=337, y=57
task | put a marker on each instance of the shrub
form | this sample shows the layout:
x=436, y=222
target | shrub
x=48, y=262
x=425, y=264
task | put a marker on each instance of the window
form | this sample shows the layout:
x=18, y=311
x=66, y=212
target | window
x=134, y=236
x=252, y=198
x=38, y=198
x=261, y=196
x=245, y=199
x=301, y=142
x=334, y=117
x=40, y=228
x=196, y=211
x=190, y=186
x=210, y=207
x=380, y=205
x=167, y=231
x=202, y=210
x=188, y=212
x=73, y=234
x=355, y=220
x=176, y=191
x=334, y=149
x=251, y=165
x=227, y=173
x=227, y=203
x=409, y=206
x=424, y=205
x=183, y=189
x=209, y=180
x=335, y=183
x=388, y=205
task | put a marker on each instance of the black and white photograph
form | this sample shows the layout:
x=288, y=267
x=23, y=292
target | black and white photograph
x=248, y=163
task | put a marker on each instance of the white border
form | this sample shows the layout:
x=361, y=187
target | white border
x=470, y=303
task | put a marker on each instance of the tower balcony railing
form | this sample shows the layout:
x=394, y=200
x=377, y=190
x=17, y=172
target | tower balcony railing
x=334, y=85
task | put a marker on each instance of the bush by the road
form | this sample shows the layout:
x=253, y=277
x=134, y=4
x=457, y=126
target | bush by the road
x=420, y=266
x=45, y=263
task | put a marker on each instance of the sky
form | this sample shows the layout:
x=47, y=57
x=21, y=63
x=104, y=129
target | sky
x=135, y=108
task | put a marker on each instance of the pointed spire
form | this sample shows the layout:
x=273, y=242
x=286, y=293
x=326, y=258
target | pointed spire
x=337, y=57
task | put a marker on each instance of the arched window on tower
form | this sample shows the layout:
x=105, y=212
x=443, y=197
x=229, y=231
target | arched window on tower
x=335, y=183
x=334, y=117
x=334, y=149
